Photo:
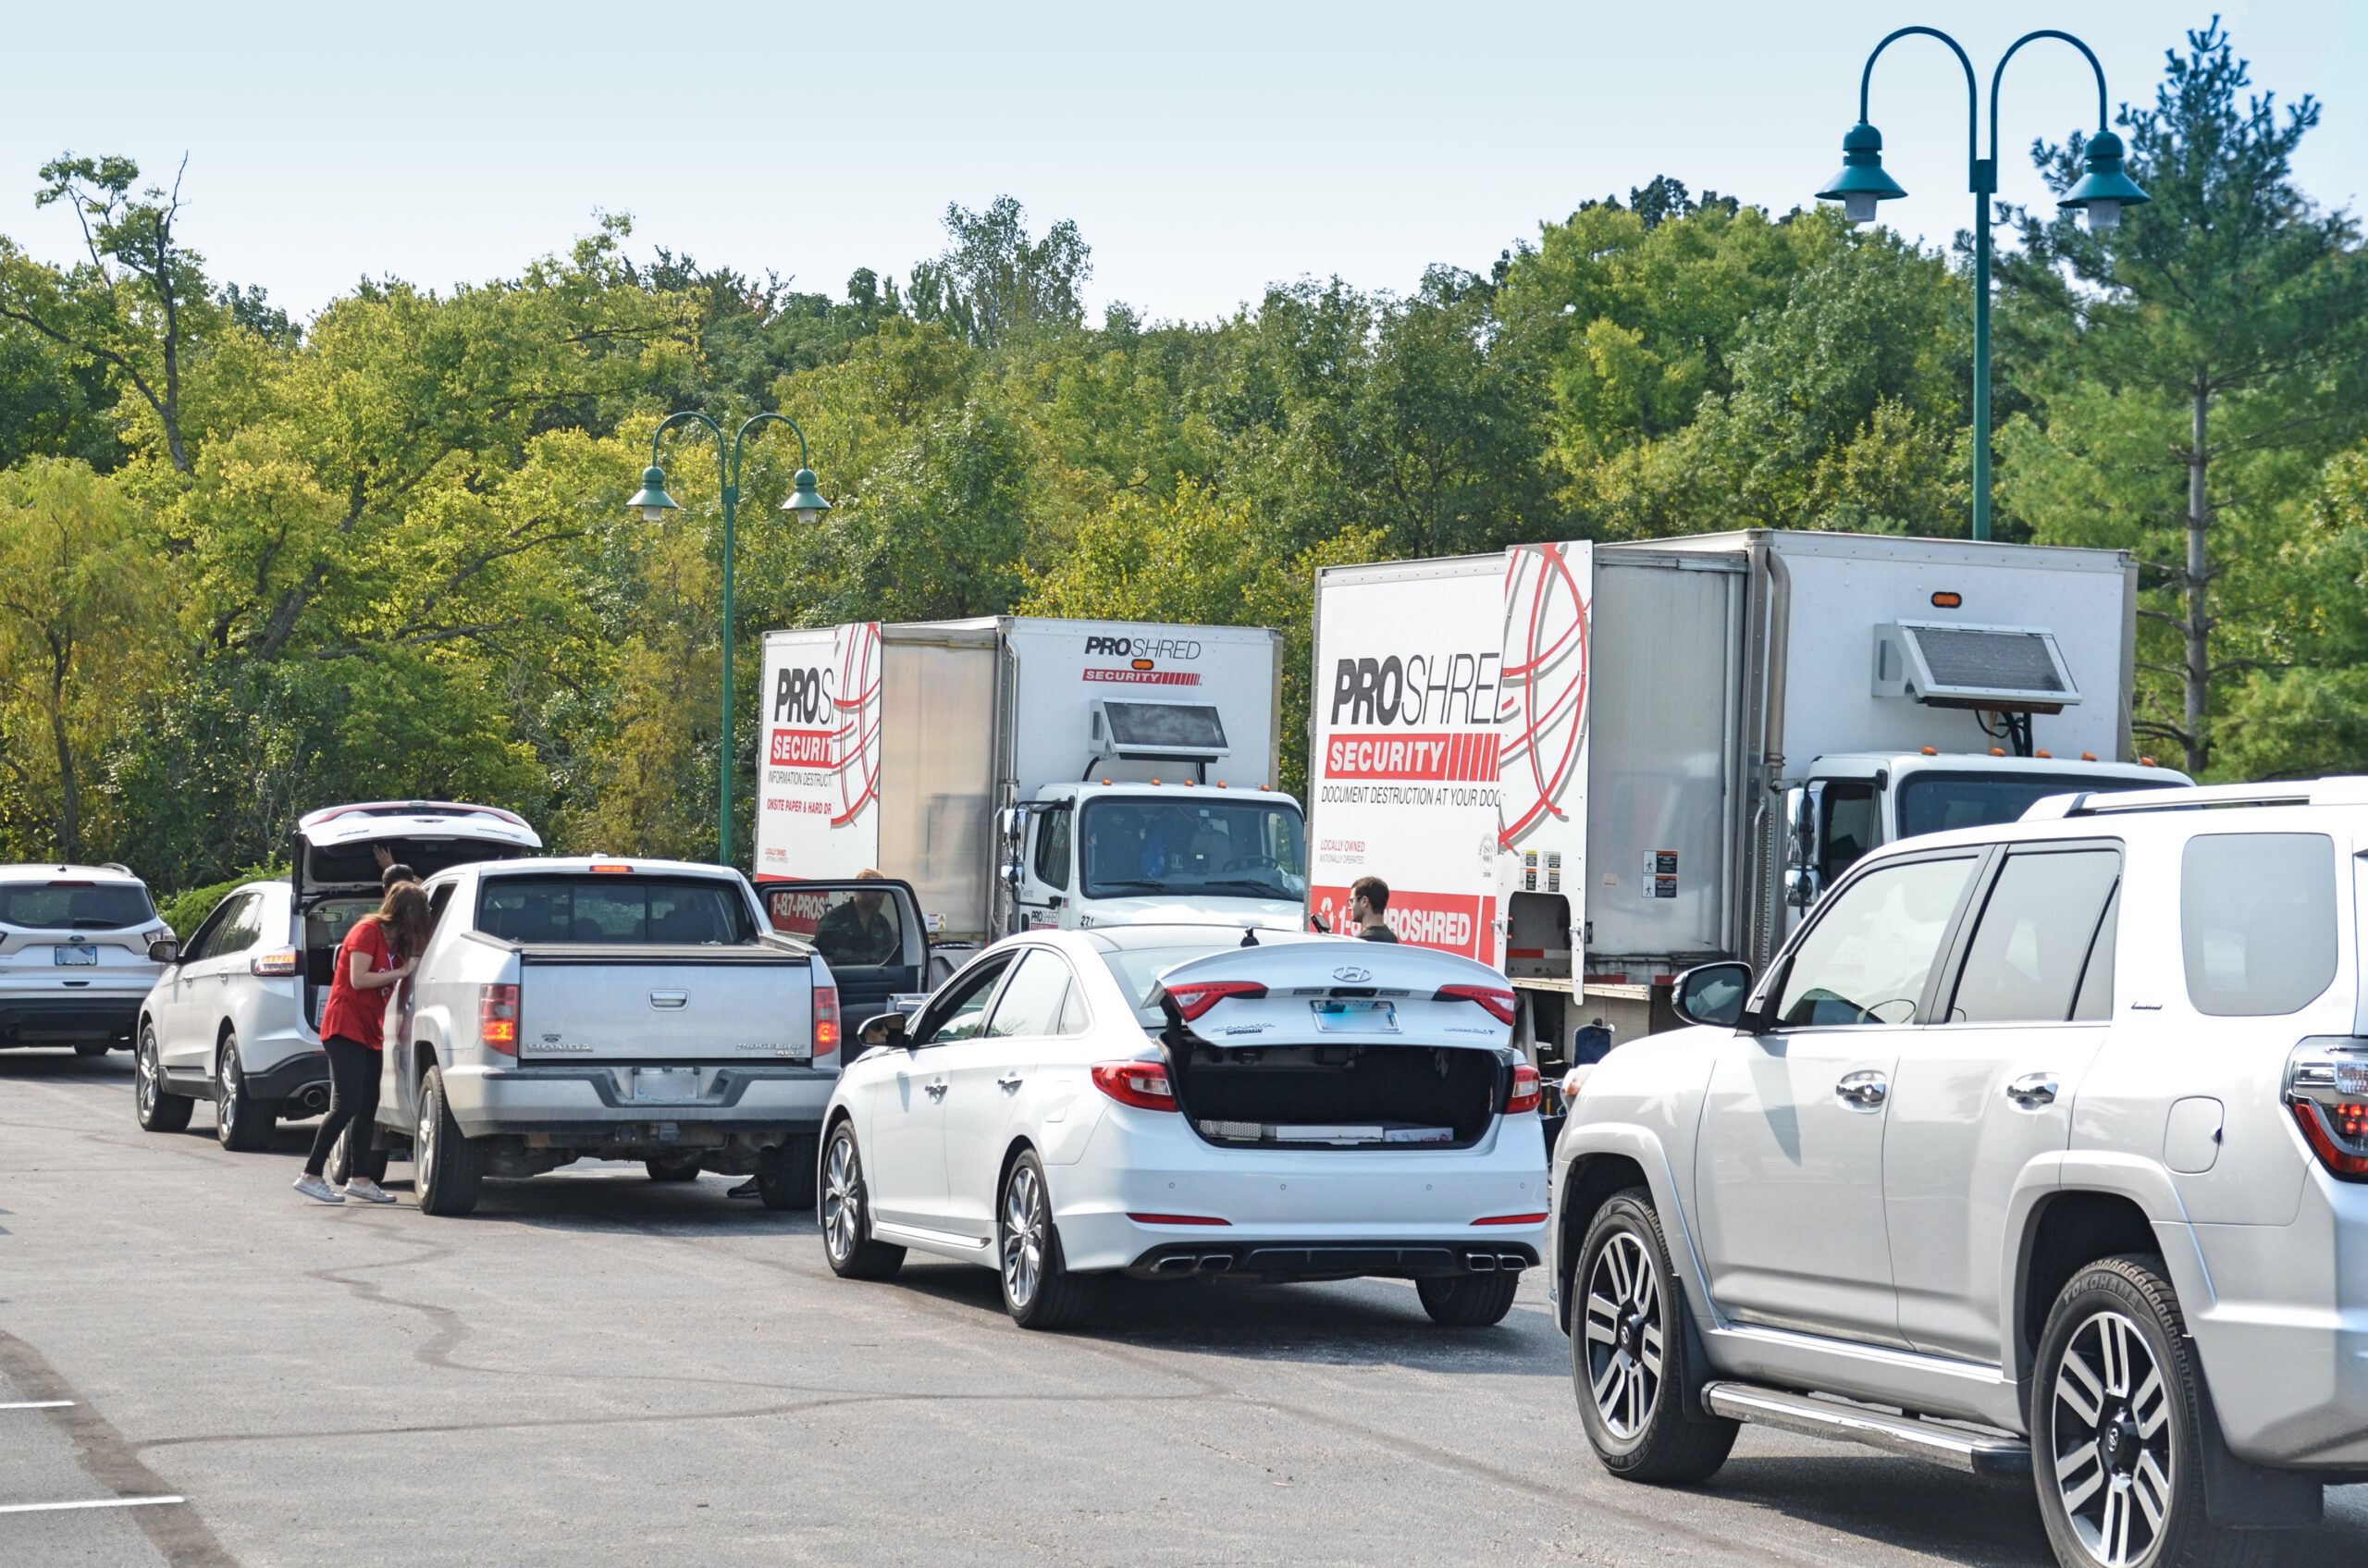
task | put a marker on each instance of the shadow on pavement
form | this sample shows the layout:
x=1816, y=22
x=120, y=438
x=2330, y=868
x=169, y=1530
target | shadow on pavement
x=34, y=1063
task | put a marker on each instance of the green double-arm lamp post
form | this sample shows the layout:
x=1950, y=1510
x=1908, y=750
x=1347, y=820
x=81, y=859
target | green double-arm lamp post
x=654, y=503
x=2103, y=192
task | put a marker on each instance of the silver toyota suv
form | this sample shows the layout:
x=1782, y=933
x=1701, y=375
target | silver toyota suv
x=2039, y=1149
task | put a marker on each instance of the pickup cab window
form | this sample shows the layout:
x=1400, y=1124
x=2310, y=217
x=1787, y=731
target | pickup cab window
x=619, y=910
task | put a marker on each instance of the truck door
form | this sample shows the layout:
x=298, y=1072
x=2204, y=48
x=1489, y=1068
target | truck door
x=1047, y=872
x=867, y=929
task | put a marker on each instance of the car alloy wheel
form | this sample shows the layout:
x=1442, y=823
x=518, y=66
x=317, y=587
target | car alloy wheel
x=2114, y=1469
x=1624, y=1335
x=1023, y=1237
x=424, y=1157
x=143, y=1081
x=842, y=1200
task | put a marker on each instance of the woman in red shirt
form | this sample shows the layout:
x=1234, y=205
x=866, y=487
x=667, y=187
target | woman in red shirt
x=380, y=950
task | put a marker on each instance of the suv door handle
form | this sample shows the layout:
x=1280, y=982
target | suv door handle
x=1009, y=1082
x=2033, y=1089
x=936, y=1090
x=1863, y=1091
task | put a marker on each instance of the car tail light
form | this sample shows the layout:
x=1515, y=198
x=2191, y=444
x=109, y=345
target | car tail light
x=611, y=865
x=1177, y=1220
x=1512, y=1220
x=826, y=1019
x=1193, y=998
x=1143, y=1084
x=1497, y=999
x=1523, y=1096
x=278, y=961
x=2328, y=1087
x=498, y=1018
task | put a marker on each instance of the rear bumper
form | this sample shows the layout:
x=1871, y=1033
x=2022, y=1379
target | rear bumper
x=70, y=1018
x=584, y=1106
x=1334, y=1260
x=304, y=1079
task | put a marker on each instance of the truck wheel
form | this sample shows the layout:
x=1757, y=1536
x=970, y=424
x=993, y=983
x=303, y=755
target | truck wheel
x=2116, y=1428
x=674, y=1169
x=1629, y=1352
x=847, y=1246
x=446, y=1167
x=1037, y=1289
x=785, y=1174
x=1469, y=1300
x=159, y=1112
x=241, y=1121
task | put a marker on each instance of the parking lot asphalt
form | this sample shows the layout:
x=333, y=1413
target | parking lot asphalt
x=599, y=1369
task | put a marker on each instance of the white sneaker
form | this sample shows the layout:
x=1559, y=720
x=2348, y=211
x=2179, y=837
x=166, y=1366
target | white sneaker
x=315, y=1188
x=369, y=1192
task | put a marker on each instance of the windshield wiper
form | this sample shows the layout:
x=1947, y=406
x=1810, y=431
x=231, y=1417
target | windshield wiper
x=1105, y=889
x=1258, y=889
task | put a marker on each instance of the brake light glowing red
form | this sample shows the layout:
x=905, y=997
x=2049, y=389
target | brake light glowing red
x=1523, y=1096
x=1193, y=998
x=826, y=1019
x=498, y=1018
x=611, y=865
x=1142, y=1084
x=2329, y=1129
x=1497, y=999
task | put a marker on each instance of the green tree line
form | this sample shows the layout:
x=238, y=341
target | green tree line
x=251, y=566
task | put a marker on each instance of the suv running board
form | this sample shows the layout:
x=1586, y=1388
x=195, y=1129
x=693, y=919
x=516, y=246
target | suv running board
x=1959, y=1447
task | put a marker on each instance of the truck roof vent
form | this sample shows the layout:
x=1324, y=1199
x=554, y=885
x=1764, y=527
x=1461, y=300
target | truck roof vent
x=1158, y=732
x=2001, y=669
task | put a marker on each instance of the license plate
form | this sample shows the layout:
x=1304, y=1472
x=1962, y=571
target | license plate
x=75, y=954
x=1356, y=1018
x=666, y=1085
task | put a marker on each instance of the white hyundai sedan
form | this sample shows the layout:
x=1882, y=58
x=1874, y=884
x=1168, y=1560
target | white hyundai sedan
x=1173, y=1101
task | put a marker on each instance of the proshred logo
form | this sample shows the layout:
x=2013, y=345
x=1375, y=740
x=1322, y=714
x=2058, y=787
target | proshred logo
x=801, y=749
x=802, y=697
x=1450, y=756
x=1454, y=688
x=1142, y=647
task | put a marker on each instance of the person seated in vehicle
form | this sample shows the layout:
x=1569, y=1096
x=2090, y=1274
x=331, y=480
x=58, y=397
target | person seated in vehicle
x=861, y=929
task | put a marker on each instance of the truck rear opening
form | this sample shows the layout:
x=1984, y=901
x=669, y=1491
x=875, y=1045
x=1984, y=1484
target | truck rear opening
x=1336, y=1095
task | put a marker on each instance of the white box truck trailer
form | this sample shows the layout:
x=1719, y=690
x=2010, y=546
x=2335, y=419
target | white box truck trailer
x=1021, y=772
x=1592, y=766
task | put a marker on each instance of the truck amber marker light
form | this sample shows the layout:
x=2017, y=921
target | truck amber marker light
x=1948, y=600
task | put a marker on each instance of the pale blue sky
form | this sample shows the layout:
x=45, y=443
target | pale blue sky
x=1203, y=151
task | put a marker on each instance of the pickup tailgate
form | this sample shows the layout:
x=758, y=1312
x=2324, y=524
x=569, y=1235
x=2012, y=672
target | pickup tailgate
x=664, y=1005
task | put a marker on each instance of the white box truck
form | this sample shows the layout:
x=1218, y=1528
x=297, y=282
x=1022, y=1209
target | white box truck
x=1021, y=772
x=1594, y=765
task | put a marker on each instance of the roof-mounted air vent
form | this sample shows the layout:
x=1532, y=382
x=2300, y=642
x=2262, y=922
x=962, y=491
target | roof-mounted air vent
x=2001, y=669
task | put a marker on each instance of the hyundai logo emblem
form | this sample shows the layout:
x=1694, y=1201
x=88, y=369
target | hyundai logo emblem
x=1351, y=975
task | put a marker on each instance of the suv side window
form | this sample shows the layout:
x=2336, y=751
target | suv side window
x=241, y=930
x=2257, y=921
x=2033, y=940
x=962, y=1013
x=1053, y=848
x=1872, y=950
x=202, y=941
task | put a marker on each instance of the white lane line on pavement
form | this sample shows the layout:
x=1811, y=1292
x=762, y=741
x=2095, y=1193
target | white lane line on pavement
x=38, y=1404
x=94, y=1502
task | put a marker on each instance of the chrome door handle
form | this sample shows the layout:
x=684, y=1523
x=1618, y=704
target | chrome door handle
x=1863, y=1091
x=1008, y=1083
x=2033, y=1089
x=936, y=1090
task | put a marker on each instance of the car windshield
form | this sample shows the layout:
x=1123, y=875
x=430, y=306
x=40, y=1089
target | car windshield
x=1935, y=802
x=75, y=906
x=609, y=909
x=1136, y=971
x=1132, y=848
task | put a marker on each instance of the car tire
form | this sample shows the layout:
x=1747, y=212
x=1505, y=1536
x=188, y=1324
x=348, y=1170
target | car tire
x=845, y=1214
x=1037, y=1289
x=1631, y=1356
x=674, y=1169
x=158, y=1111
x=446, y=1167
x=1469, y=1300
x=785, y=1174
x=242, y=1123
x=2119, y=1471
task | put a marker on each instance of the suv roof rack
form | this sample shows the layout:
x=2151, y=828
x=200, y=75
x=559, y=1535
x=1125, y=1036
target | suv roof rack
x=2350, y=789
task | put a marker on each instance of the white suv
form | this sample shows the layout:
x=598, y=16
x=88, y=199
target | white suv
x=77, y=954
x=2039, y=1148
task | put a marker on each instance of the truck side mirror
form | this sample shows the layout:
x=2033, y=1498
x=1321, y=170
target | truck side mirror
x=1801, y=886
x=1711, y=995
x=1010, y=821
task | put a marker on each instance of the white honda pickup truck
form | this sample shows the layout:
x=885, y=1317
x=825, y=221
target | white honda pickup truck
x=610, y=1008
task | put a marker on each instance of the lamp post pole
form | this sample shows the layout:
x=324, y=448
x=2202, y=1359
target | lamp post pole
x=653, y=503
x=2103, y=192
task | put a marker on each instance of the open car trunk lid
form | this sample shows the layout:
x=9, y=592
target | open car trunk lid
x=332, y=849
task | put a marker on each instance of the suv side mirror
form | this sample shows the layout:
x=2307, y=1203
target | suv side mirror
x=1712, y=995
x=165, y=950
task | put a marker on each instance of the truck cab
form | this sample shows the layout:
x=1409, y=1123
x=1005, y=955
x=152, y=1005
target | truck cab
x=1122, y=853
x=1852, y=802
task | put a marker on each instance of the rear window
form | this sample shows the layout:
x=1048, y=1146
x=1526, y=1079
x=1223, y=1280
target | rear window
x=614, y=910
x=2257, y=921
x=75, y=906
x=1138, y=969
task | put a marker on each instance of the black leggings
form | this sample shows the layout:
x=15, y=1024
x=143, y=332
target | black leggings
x=353, y=1097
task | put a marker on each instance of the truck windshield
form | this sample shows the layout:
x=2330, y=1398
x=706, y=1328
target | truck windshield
x=610, y=908
x=1930, y=802
x=1229, y=848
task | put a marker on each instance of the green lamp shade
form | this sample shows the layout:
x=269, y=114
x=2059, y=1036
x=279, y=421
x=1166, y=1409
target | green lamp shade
x=2104, y=190
x=805, y=499
x=651, y=500
x=1862, y=181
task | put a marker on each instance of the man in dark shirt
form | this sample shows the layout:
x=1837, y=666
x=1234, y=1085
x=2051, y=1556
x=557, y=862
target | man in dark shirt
x=861, y=929
x=1368, y=896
